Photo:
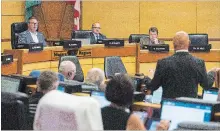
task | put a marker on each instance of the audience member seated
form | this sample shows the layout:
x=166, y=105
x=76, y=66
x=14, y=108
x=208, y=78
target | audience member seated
x=96, y=76
x=152, y=39
x=31, y=35
x=62, y=111
x=180, y=74
x=119, y=91
x=46, y=82
x=68, y=69
x=96, y=33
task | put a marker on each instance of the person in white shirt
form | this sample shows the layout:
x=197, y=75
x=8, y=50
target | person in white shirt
x=31, y=35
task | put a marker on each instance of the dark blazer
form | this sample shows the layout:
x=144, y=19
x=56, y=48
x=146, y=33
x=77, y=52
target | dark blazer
x=25, y=37
x=180, y=74
x=93, y=39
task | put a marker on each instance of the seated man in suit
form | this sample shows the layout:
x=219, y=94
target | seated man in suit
x=152, y=39
x=180, y=74
x=31, y=35
x=96, y=33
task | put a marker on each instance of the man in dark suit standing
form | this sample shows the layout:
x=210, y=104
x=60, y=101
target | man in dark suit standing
x=96, y=35
x=180, y=74
x=31, y=35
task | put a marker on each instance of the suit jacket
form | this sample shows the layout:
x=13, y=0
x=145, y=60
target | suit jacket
x=25, y=37
x=180, y=74
x=147, y=41
x=93, y=39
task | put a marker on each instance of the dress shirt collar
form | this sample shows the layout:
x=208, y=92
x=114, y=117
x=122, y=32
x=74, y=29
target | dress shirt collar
x=181, y=51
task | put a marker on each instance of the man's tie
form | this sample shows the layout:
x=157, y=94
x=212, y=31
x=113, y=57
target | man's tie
x=97, y=37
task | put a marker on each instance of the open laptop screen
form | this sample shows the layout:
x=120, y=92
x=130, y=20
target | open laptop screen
x=84, y=41
x=100, y=97
x=9, y=84
x=179, y=111
x=211, y=95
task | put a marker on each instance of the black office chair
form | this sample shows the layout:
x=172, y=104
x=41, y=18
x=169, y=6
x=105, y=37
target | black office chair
x=17, y=28
x=198, y=39
x=198, y=126
x=135, y=38
x=14, y=111
x=79, y=72
x=112, y=65
x=81, y=34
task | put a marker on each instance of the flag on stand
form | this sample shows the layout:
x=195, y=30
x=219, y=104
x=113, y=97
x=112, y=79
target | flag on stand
x=76, y=12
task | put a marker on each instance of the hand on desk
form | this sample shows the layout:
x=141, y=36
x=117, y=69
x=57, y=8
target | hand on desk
x=163, y=125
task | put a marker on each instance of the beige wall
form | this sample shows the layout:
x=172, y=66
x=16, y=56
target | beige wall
x=119, y=19
x=11, y=12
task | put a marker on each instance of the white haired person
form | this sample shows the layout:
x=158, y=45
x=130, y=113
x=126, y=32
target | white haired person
x=96, y=76
x=68, y=69
x=62, y=111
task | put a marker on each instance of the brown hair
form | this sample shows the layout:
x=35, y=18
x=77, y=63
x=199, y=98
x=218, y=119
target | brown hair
x=32, y=17
x=153, y=29
x=46, y=80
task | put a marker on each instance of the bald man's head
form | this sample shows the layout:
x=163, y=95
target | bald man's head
x=68, y=69
x=96, y=28
x=181, y=41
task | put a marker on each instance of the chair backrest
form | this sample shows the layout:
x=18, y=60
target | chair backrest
x=81, y=34
x=79, y=72
x=62, y=111
x=14, y=109
x=61, y=77
x=35, y=73
x=198, y=39
x=135, y=38
x=17, y=28
x=199, y=126
x=112, y=65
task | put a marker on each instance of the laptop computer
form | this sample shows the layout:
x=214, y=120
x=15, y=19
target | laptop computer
x=179, y=110
x=84, y=41
x=210, y=94
x=100, y=97
x=157, y=96
x=10, y=84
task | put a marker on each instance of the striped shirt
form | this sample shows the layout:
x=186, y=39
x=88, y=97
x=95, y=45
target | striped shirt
x=33, y=102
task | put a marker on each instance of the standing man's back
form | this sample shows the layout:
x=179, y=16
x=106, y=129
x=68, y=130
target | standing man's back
x=180, y=74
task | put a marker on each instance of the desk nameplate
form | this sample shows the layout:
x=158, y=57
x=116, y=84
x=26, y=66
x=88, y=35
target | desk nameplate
x=84, y=53
x=57, y=54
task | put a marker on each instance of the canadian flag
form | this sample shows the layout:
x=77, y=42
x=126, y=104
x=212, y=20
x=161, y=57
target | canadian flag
x=76, y=10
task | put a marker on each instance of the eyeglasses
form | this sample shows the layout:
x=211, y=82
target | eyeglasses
x=33, y=23
x=97, y=27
